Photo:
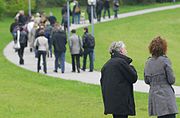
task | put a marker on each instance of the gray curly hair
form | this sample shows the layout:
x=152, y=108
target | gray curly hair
x=116, y=46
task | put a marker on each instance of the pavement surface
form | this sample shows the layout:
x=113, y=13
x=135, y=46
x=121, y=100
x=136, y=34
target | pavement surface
x=86, y=77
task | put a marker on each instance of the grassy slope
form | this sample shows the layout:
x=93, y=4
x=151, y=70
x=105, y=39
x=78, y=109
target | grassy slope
x=25, y=94
x=123, y=9
x=137, y=32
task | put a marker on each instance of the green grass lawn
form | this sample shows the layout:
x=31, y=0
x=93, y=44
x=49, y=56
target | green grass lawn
x=26, y=94
x=123, y=9
x=137, y=32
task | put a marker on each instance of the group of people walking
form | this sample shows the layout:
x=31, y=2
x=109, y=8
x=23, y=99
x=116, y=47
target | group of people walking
x=45, y=36
x=118, y=76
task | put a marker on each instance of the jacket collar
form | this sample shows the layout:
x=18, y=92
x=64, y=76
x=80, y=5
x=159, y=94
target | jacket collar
x=118, y=55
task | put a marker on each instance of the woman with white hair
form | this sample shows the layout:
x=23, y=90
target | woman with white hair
x=117, y=79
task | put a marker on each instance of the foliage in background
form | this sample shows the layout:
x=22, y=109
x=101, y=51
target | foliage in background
x=2, y=7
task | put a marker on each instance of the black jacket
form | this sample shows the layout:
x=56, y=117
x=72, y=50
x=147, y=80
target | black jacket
x=106, y=4
x=59, y=41
x=117, y=78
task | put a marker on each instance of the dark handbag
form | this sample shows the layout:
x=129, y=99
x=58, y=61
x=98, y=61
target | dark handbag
x=81, y=52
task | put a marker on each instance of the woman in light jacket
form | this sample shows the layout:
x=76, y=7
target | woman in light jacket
x=159, y=75
x=41, y=43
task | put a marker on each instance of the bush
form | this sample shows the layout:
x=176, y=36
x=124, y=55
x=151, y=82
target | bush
x=2, y=7
x=13, y=6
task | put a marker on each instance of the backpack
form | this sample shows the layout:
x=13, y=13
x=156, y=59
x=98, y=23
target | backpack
x=23, y=37
x=77, y=9
x=90, y=41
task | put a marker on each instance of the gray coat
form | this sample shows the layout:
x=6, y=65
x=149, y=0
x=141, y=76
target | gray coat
x=159, y=75
x=75, y=43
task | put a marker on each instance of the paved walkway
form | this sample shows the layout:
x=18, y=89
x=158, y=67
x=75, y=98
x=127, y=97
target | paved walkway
x=86, y=77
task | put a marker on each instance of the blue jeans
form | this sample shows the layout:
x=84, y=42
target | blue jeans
x=76, y=18
x=60, y=56
x=91, y=60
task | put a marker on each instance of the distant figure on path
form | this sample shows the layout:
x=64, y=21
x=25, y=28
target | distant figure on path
x=59, y=41
x=88, y=46
x=159, y=75
x=107, y=8
x=116, y=8
x=117, y=79
x=75, y=44
x=41, y=44
x=99, y=8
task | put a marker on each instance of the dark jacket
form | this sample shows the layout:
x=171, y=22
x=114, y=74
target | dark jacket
x=85, y=41
x=59, y=41
x=99, y=6
x=106, y=4
x=117, y=78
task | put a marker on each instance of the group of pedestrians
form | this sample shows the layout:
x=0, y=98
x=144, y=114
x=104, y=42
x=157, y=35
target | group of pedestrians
x=118, y=76
x=43, y=34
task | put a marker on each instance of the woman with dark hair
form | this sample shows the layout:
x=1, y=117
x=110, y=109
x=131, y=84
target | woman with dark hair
x=41, y=43
x=159, y=75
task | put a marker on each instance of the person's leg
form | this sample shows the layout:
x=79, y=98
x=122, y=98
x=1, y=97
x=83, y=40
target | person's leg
x=168, y=116
x=44, y=61
x=39, y=61
x=104, y=15
x=79, y=18
x=62, y=56
x=109, y=13
x=89, y=17
x=20, y=56
x=91, y=61
x=100, y=15
x=56, y=61
x=73, y=63
x=119, y=116
x=78, y=62
x=84, y=61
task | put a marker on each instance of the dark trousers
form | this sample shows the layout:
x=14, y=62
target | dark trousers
x=107, y=9
x=91, y=59
x=115, y=14
x=120, y=116
x=99, y=16
x=60, y=57
x=43, y=54
x=75, y=62
x=21, y=54
x=168, y=116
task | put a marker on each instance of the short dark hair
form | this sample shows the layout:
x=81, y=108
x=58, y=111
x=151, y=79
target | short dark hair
x=86, y=29
x=73, y=31
x=158, y=47
x=41, y=33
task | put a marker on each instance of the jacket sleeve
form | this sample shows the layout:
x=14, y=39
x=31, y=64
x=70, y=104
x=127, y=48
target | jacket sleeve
x=132, y=74
x=169, y=72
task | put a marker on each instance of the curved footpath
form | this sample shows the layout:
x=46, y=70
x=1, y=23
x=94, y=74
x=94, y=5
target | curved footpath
x=86, y=77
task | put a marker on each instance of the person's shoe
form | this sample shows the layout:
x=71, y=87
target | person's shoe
x=73, y=71
x=62, y=72
x=31, y=50
x=90, y=70
x=78, y=71
x=83, y=69
x=55, y=71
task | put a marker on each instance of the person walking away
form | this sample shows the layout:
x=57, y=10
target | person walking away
x=158, y=74
x=47, y=33
x=72, y=4
x=99, y=8
x=106, y=8
x=116, y=8
x=88, y=10
x=117, y=79
x=23, y=43
x=13, y=28
x=42, y=46
x=59, y=41
x=88, y=46
x=65, y=21
x=77, y=13
x=31, y=35
x=75, y=44
x=52, y=19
